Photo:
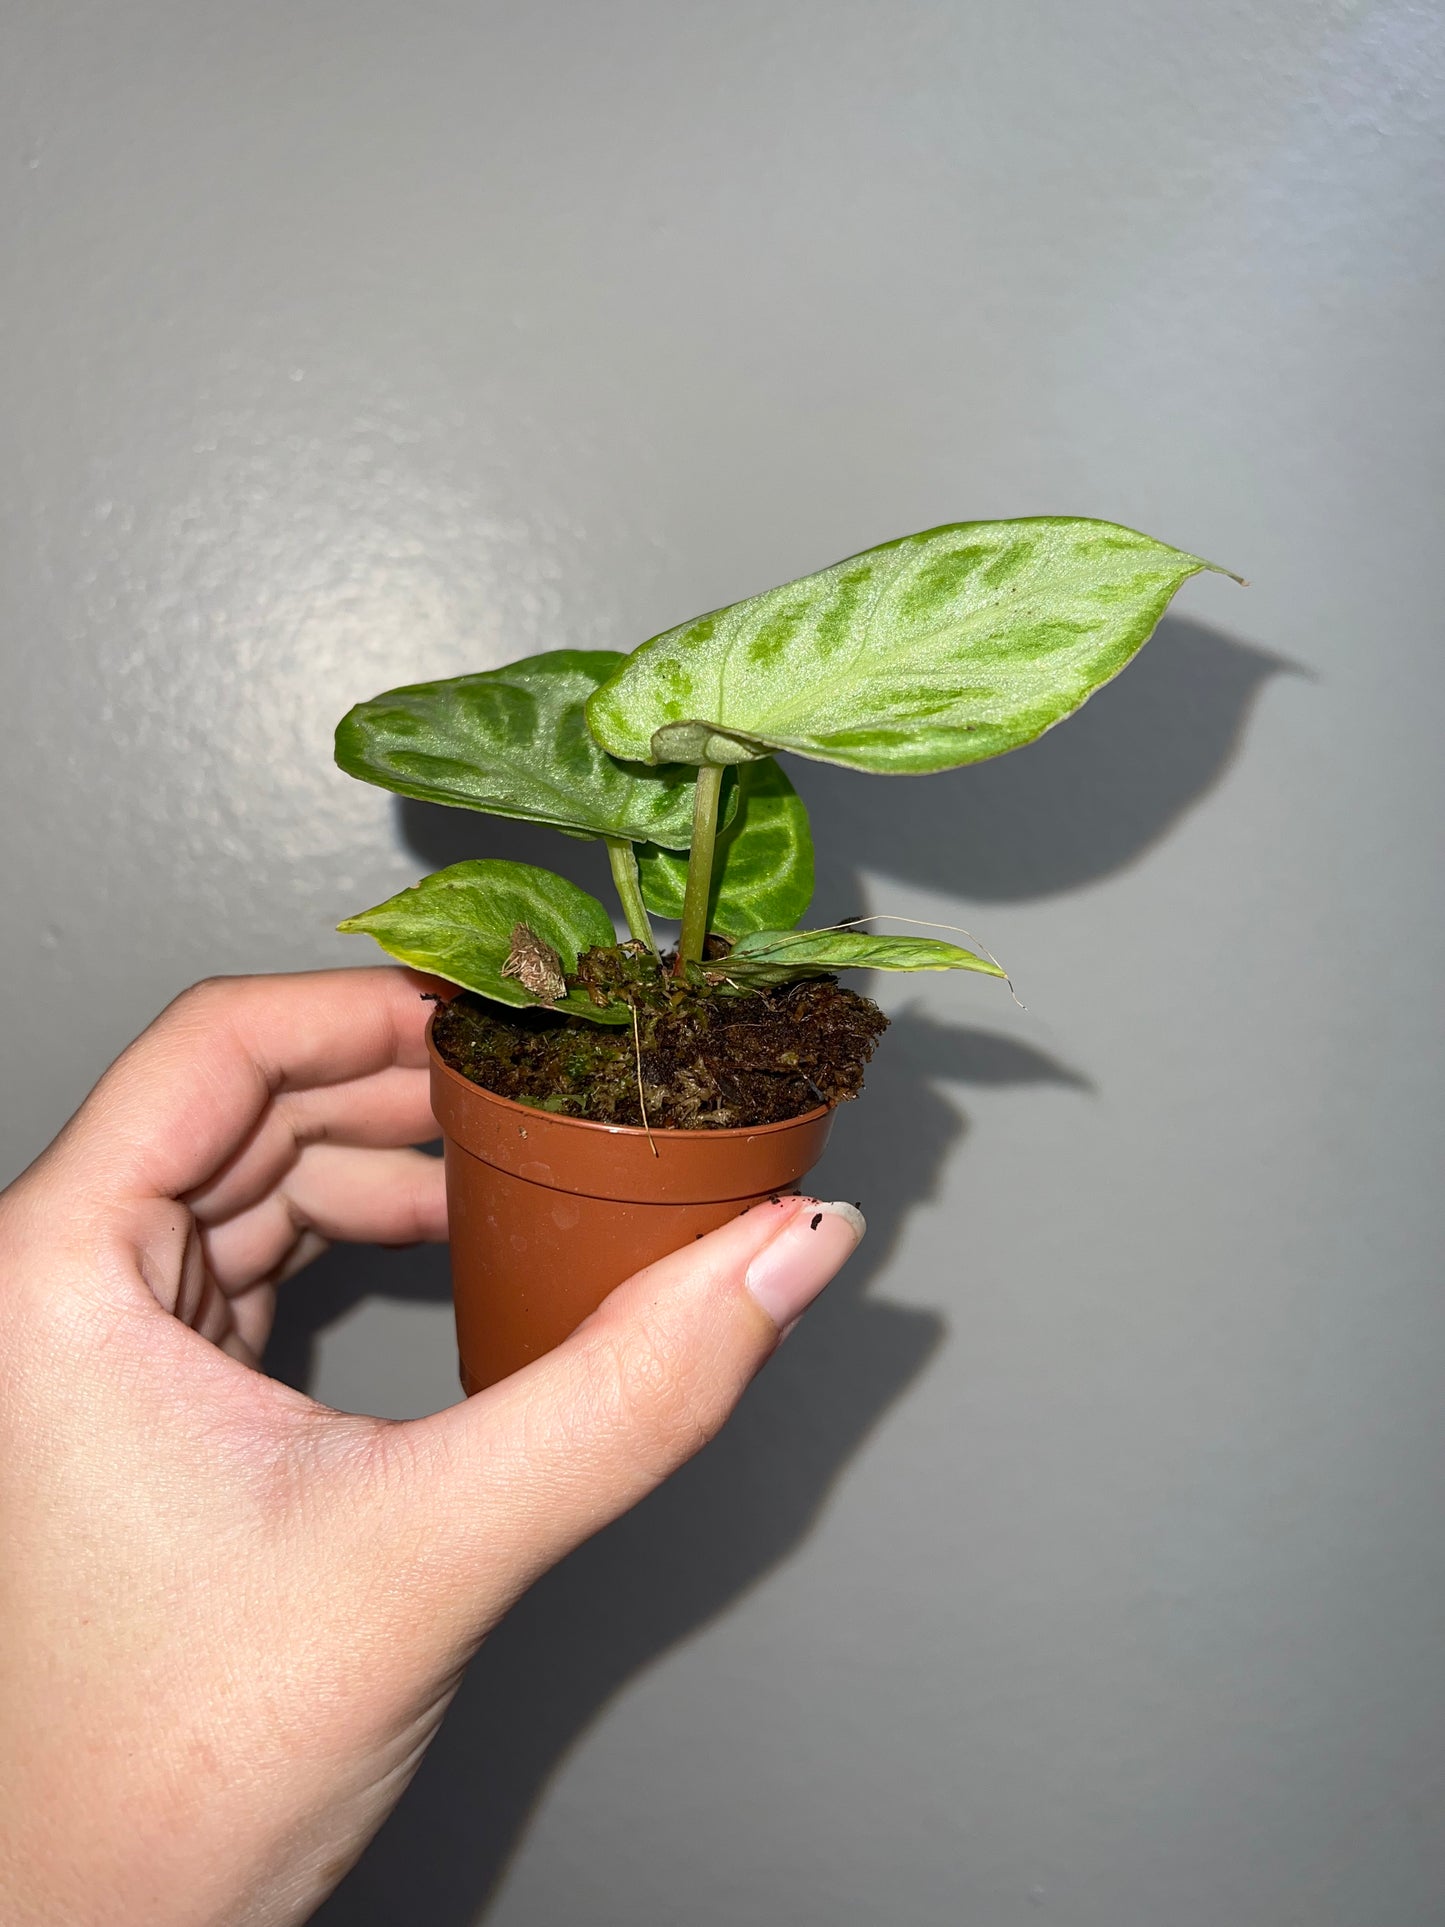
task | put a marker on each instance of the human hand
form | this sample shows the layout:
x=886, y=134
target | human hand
x=233, y=1618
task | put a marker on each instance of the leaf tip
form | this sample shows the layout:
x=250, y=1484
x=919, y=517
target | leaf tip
x=1203, y=563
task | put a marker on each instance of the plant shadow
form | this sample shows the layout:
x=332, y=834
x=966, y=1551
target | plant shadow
x=1083, y=802
x=1072, y=808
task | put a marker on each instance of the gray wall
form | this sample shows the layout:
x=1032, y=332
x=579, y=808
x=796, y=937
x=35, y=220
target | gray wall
x=1083, y=1558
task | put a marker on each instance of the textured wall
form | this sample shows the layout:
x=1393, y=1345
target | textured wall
x=1082, y=1559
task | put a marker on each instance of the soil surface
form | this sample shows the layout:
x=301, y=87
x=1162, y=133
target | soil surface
x=710, y=1061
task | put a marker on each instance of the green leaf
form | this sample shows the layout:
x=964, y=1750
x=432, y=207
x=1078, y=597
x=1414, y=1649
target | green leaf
x=773, y=956
x=458, y=924
x=939, y=649
x=763, y=868
x=514, y=742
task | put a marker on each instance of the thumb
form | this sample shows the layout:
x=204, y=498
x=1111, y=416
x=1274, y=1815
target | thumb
x=507, y=1483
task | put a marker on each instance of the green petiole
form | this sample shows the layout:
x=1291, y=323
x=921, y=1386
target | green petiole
x=623, y=859
x=699, y=865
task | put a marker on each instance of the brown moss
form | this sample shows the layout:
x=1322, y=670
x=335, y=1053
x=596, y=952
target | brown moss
x=711, y=1059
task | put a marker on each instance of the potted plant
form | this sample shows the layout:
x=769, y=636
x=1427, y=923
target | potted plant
x=602, y=1103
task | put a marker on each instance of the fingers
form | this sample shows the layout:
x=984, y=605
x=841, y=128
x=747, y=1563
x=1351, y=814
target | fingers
x=392, y=1107
x=332, y=1192
x=177, y=1105
x=516, y=1477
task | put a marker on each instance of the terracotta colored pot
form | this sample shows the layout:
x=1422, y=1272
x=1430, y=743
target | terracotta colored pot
x=549, y=1213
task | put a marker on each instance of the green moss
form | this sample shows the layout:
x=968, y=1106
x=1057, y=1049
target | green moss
x=710, y=1058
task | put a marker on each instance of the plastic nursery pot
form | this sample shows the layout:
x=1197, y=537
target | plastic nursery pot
x=549, y=1213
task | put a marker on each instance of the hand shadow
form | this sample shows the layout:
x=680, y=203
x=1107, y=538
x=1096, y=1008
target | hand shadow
x=1073, y=807
x=706, y=1538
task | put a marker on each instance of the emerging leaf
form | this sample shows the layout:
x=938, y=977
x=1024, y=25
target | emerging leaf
x=763, y=868
x=461, y=923
x=773, y=956
x=939, y=649
x=514, y=742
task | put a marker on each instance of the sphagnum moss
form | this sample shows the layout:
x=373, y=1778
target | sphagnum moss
x=706, y=1062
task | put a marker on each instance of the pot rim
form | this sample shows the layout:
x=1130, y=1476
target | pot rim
x=722, y=1135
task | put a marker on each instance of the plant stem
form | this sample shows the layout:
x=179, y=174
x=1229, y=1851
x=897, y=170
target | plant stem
x=699, y=865
x=623, y=858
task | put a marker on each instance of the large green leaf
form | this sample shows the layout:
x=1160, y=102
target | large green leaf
x=763, y=867
x=514, y=742
x=939, y=649
x=458, y=924
x=772, y=956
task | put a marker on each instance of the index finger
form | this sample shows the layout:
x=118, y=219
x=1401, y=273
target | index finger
x=187, y=1094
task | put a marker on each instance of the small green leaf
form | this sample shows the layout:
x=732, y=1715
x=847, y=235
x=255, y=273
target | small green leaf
x=458, y=924
x=763, y=869
x=773, y=956
x=514, y=742
x=936, y=650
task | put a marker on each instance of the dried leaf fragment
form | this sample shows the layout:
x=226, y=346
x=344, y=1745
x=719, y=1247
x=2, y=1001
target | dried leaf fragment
x=535, y=964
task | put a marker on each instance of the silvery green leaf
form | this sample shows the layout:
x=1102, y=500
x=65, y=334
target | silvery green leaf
x=514, y=742
x=459, y=924
x=939, y=649
x=773, y=956
x=763, y=867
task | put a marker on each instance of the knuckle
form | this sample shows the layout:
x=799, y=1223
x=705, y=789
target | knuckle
x=204, y=998
x=199, y=1007
x=213, y=1004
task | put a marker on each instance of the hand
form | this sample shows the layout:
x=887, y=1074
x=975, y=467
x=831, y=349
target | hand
x=232, y=1618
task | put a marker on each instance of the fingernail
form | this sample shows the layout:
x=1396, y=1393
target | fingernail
x=791, y=1269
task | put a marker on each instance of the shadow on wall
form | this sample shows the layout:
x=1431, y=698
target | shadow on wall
x=1086, y=800
x=1083, y=802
